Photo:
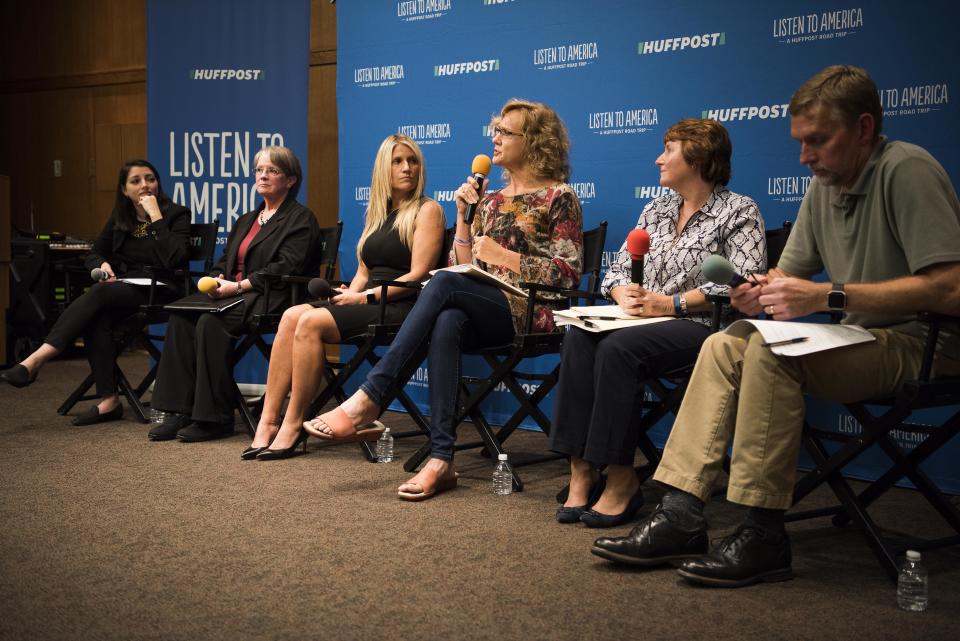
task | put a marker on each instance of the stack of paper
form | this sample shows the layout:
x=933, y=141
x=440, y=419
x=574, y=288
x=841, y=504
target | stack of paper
x=601, y=318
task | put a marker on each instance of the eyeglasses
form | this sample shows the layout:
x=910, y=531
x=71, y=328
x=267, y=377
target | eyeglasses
x=500, y=131
x=270, y=171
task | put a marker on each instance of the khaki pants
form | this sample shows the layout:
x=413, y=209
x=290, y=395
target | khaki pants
x=741, y=390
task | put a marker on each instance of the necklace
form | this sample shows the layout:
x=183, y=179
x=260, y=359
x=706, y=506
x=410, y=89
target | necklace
x=264, y=219
x=140, y=231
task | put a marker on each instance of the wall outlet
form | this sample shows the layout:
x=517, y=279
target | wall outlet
x=57, y=168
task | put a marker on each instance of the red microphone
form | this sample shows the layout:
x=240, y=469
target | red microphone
x=638, y=244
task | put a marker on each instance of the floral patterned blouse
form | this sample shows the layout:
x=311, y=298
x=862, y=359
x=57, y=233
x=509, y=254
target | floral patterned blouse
x=546, y=228
x=728, y=224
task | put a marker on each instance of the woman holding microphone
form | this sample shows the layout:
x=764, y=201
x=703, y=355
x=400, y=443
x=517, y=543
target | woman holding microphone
x=530, y=230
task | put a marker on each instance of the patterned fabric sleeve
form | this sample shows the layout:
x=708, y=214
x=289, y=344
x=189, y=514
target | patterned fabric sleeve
x=744, y=244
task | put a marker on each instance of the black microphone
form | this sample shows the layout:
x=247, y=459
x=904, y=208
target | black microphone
x=320, y=288
x=97, y=275
x=720, y=271
x=480, y=169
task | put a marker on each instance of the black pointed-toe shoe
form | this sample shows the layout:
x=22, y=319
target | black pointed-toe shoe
x=251, y=453
x=745, y=557
x=92, y=416
x=167, y=431
x=199, y=431
x=18, y=376
x=654, y=541
x=269, y=454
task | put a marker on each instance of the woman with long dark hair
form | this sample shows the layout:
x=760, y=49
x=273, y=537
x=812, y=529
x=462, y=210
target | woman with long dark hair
x=145, y=229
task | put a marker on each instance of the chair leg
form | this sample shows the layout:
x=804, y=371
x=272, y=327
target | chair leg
x=133, y=399
x=76, y=396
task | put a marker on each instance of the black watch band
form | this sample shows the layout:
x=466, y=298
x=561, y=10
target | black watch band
x=371, y=298
x=837, y=298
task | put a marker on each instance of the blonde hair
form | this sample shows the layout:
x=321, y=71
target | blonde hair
x=381, y=189
x=547, y=147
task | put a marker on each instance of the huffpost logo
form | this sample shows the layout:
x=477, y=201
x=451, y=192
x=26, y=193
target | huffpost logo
x=679, y=43
x=746, y=113
x=460, y=68
x=227, y=74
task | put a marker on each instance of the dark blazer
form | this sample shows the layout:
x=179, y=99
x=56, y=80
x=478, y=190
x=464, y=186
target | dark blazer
x=288, y=244
x=172, y=236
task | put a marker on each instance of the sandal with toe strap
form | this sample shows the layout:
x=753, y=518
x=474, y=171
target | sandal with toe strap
x=442, y=484
x=342, y=429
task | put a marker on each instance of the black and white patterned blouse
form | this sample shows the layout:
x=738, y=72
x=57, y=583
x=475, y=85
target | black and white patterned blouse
x=728, y=224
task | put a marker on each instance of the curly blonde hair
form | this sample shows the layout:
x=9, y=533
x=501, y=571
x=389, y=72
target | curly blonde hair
x=547, y=149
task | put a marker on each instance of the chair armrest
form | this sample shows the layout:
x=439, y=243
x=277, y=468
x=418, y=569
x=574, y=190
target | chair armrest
x=384, y=284
x=933, y=322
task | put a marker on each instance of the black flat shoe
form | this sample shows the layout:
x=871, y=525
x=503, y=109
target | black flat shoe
x=745, y=557
x=93, y=416
x=592, y=518
x=654, y=541
x=18, y=376
x=275, y=455
x=572, y=514
x=199, y=431
x=251, y=453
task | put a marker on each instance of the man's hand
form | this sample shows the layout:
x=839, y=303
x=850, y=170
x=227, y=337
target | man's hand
x=789, y=298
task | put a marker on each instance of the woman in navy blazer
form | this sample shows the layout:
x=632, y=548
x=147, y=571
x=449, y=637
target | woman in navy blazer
x=145, y=230
x=195, y=375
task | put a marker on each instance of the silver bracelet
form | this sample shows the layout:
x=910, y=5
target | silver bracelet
x=239, y=288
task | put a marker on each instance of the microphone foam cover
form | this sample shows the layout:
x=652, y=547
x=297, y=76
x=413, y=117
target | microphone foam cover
x=97, y=274
x=718, y=269
x=319, y=288
x=481, y=164
x=207, y=284
x=638, y=243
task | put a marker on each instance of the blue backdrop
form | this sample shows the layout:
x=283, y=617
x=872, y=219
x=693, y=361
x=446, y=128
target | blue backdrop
x=620, y=72
x=224, y=79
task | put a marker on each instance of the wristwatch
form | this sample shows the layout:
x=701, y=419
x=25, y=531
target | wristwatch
x=371, y=297
x=837, y=298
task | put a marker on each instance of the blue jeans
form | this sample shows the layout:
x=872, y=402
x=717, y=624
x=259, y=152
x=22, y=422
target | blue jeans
x=452, y=312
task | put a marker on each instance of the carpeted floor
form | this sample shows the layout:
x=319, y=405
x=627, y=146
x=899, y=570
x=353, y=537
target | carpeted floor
x=105, y=535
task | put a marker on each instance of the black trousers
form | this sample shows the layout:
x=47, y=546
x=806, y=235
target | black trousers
x=94, y=316
x=600, y=392
x=195, y=374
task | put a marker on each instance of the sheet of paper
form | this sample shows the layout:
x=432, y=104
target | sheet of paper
x=473, y=271
x=144, y=282
x=807, y=338
x=601, y=318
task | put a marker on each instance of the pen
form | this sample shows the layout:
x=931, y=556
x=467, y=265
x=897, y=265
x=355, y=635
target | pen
x=788, y=341
x=584, y=318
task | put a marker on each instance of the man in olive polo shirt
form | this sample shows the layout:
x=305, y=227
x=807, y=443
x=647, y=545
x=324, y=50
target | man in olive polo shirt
x=882, y=219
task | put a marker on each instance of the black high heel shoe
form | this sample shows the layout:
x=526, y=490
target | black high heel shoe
x=268, y=454
x=568, y=515
x=18, y=376
x=251, y=453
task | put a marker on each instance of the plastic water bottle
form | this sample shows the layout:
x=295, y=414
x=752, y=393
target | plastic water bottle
x=502, y=477
x=385, y=447
x=912, y=584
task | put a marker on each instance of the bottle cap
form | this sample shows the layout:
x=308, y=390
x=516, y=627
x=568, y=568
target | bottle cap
x=502, y=457
x=913, y=555
x=386, y=430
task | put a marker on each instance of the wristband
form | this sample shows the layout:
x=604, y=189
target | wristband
x=676, y=305
x=683, y=305
x=462, y=242
x=239, y=288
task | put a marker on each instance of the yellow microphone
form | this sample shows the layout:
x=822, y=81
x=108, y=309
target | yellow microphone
x=480, y=169
x=207, y=284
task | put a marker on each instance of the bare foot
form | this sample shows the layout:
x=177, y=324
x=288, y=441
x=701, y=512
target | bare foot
x=435, y=477
x=583, y=477
x=355, y=412
x=286, y=437
x=622, y=484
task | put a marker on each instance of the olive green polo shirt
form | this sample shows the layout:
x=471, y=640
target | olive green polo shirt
x=900, y=216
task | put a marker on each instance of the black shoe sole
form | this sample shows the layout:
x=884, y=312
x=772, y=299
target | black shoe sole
x=201, y=439
x=652, y=562
x=162, y=437
x=773, y=576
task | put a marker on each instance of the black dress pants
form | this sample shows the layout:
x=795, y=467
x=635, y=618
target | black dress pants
x=195, y=374
x=94, y=316
x=600, y=392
